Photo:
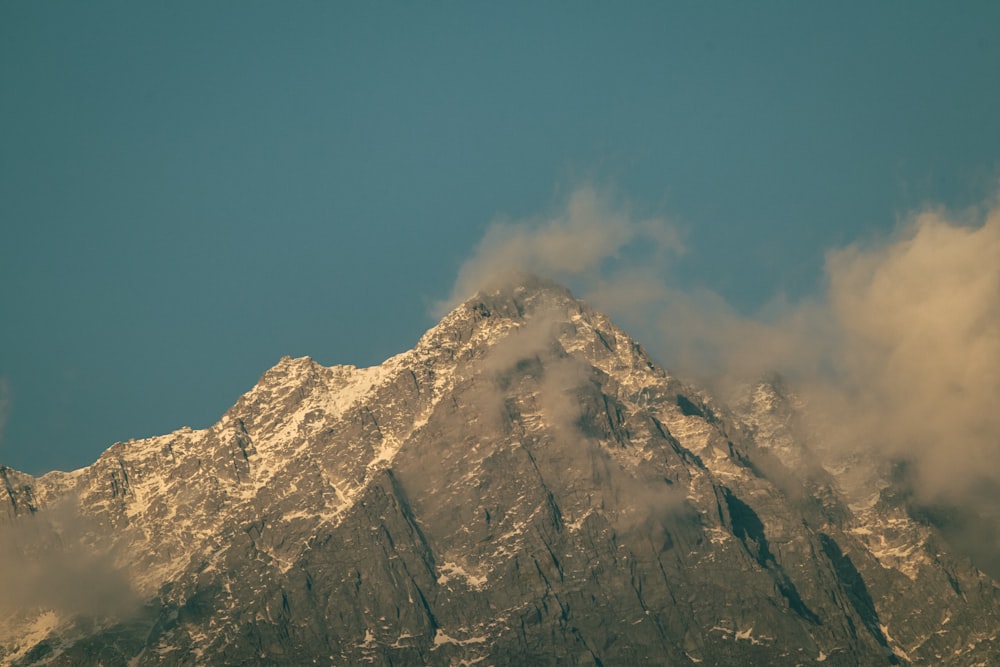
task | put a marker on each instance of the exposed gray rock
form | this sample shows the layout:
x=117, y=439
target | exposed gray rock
x=525, y=486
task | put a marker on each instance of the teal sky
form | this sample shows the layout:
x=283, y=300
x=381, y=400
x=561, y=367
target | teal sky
x=189, y=190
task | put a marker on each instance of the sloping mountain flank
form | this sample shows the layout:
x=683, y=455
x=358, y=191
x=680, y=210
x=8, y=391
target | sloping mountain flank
x=526, y=486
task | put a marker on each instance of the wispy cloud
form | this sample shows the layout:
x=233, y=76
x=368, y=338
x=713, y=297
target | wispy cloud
x=50, y=561
x=575, y=242
x=559, y=387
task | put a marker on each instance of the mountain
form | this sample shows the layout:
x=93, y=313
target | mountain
x=525, y=486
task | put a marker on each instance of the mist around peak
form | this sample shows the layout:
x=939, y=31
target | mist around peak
x=573, y=242
x=897, y=359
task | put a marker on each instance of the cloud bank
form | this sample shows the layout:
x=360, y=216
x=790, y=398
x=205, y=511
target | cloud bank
x=898, y=359
x=918, y=350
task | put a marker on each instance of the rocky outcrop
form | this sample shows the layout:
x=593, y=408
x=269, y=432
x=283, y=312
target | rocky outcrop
x=525, y=486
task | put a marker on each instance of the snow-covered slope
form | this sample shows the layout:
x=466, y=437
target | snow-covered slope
x=525, y=486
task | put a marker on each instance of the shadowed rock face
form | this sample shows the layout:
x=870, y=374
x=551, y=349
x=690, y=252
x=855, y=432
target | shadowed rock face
x=525, y=486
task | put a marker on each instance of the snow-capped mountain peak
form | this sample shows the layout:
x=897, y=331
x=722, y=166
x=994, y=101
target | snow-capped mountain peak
x=526, y=485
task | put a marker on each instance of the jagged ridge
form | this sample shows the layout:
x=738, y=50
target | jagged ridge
x=525, y=486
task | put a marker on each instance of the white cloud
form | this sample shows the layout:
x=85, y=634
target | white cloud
x=919, y=331
x=573, y=244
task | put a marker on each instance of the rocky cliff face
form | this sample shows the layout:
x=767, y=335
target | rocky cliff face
x=525, y=486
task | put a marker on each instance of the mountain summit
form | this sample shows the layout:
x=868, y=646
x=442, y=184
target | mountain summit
x=525, y=486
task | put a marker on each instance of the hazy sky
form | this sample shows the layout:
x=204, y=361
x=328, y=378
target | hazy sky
x=189, y=191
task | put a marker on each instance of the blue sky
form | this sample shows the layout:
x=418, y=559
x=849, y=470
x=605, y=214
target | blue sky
x=189, y=191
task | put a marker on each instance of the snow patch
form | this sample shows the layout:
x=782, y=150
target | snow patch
x=441, y=638
x=449, y=570
x=40, y=629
